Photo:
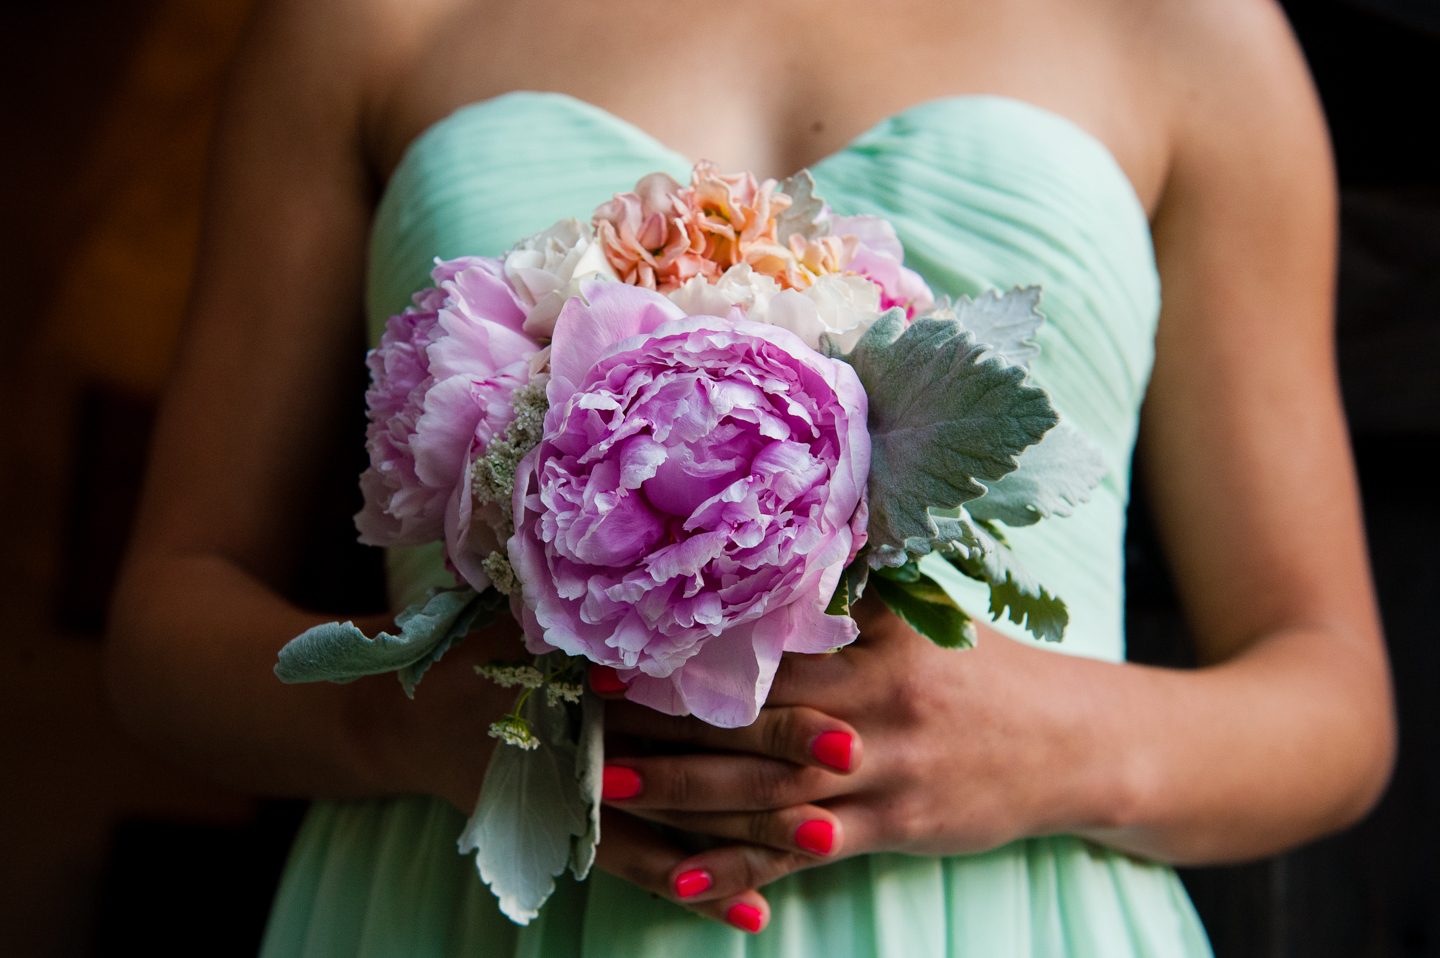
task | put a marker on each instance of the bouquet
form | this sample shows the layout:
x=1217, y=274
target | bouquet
x=680, y=440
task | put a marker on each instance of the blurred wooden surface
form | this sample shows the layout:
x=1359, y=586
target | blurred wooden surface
x=106, y=116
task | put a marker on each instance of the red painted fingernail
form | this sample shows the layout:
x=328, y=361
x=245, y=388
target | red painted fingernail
x=692, y=883
x=605, y=679
x=817, y=836
x=745, y=917
x=619, y=782
x=833, y=748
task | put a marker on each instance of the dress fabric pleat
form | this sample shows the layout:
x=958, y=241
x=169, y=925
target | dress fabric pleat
x=986, y=193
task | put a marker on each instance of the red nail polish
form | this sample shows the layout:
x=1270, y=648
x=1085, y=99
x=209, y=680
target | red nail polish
x=745, y=917
x=691, y=883
x=605, y=679
x=833, y=748
x=619, y=782
x=817, y=836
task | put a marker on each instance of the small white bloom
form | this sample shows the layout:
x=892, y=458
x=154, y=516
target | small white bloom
x=502, y=576
x=839, y=306
x=492, y=476
x=546, y=270
x=557, y=692
x=739, y=286
x=508, y=675
x=514, y=731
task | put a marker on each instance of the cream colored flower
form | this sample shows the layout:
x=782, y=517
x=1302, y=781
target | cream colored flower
x=546, y=269
x=740, y=286
x=838, y=307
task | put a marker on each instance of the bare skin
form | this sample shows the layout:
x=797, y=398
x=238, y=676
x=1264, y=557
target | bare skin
x=1286, y=732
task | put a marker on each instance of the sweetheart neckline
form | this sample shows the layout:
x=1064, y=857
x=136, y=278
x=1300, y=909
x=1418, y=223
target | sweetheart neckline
x=848, y=147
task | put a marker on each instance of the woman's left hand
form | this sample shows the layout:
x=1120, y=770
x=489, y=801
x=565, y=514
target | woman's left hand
x=890, y=744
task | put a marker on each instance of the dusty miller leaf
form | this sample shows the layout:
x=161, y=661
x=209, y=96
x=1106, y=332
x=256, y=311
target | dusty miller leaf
x=1013, y=587
x=1054, y=476
x=954, y=533
x=340, y=652
x=1007, y=323
x=805, y=208
x=531, y=812
x=940, y=420
x=589, y=774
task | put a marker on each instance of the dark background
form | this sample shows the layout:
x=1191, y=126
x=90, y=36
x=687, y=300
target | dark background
x=104, y=848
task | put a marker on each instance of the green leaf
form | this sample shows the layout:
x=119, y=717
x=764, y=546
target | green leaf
x=1013, y=587
x=1054, y=476
x=928, y=609
x=340, y=652
x=532, y=810
x=805, y=208
x=941, y=420
x=849, y=589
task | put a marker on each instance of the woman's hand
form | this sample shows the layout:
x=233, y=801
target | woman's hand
x=890, y=744
x=895, y=744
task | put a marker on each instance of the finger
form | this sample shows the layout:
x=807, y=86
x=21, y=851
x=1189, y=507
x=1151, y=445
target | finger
x=806, y=829
x=734, y=871
x=796, y=734
x=715, y=783
x=633, y=851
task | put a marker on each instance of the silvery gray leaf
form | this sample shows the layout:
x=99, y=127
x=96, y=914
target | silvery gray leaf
x=941, y=420
x=589, y=773
x=1006, y=323
x=1054, y=476
x=529, y=814
x=1013, y=587
x=340, y=652
x=805, y=210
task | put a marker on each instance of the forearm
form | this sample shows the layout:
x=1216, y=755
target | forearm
x=1288, y=741
x=190, y=661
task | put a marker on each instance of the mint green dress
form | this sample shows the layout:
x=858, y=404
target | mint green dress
x=985, y=192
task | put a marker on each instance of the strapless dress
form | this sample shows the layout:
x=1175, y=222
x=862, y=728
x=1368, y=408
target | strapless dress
x=985, y=192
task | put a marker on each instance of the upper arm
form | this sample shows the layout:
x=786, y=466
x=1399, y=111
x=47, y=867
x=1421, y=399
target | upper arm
x=274, y=318
x=1246, y=452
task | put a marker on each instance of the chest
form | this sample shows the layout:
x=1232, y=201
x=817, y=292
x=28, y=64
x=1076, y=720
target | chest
x=775, y=86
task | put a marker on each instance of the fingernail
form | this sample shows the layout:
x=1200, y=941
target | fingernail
x=619, y=782
x=605, y=679
x=691, y=883
x=817, y=836
x=745, y=917
x=833, y=748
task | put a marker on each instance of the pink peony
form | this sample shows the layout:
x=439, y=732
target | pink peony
x=442, y=378
x=689, y=511
x=878, y=257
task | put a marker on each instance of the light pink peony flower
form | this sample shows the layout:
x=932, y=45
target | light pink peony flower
x=695, y=498
x=878, y=257
x=442, y=378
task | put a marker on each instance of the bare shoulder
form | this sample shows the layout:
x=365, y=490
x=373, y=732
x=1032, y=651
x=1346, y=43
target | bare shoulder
x=335, y=61
x=1236, y=85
